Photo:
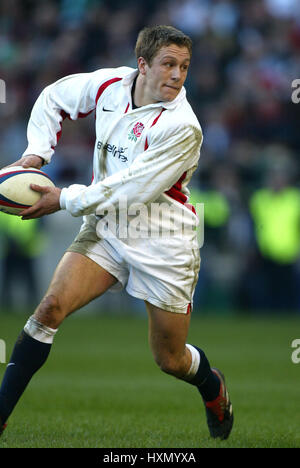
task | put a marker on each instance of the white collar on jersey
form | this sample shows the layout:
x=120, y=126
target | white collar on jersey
x=129, y=78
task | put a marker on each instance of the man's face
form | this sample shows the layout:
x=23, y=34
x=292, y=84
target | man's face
x=167, y=73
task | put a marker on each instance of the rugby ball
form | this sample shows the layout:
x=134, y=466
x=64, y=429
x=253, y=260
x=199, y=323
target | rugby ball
x=15, y=192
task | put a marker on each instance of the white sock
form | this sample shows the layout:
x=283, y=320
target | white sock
x=38, y=331
x=195, y=362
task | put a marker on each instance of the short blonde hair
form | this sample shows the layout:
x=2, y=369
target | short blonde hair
x=151, y=39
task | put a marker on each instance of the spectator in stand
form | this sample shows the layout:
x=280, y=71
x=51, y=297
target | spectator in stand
x=21, y=244
x=272, y=280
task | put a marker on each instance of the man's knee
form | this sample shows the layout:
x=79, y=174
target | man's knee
x=50, y=312
x=171, y=364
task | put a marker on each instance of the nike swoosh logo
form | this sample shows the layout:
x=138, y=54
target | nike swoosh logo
x=11, y=364
x=107, y=110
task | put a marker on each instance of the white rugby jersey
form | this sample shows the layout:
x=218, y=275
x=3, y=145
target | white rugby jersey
x=146, y=154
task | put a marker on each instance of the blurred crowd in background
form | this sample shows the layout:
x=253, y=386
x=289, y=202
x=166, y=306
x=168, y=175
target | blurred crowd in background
x=246, y=55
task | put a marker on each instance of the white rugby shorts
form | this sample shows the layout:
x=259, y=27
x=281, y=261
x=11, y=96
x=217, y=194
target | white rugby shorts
x=162, y=271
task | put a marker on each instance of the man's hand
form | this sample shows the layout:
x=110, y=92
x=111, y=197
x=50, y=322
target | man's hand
x=32, y=160
x=49, y=203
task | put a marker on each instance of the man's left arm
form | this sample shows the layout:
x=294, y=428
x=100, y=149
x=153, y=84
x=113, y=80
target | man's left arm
x=173, y=151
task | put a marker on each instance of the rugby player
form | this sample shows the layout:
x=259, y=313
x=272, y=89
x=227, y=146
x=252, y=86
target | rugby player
x=148, y=143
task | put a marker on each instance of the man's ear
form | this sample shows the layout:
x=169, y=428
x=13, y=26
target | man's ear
x=142, y=64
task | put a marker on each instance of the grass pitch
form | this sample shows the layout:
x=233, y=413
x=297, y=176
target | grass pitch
x=100, y=387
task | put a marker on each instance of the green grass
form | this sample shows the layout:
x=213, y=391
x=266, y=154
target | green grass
x=101, y=388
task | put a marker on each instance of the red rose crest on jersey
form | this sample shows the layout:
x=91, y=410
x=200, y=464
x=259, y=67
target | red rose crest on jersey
x=136, y=131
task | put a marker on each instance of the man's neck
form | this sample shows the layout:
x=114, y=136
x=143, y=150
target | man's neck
x=140, y=96
x=134, y=106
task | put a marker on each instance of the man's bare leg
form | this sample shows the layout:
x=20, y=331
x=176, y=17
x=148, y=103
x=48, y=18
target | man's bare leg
x=168, y=333
x=76, y=281
x=167, y=338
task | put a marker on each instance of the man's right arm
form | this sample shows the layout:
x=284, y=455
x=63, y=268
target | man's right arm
x=72, y=96
x=31, y=160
